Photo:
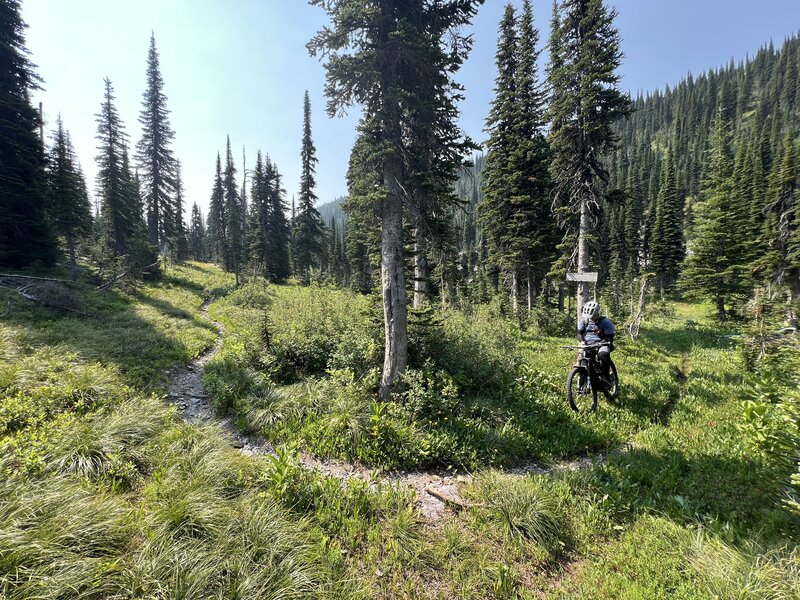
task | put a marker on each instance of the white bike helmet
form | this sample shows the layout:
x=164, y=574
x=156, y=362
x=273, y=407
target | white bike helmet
x=591, y=309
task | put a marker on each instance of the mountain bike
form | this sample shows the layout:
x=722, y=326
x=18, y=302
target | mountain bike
x=586, y=378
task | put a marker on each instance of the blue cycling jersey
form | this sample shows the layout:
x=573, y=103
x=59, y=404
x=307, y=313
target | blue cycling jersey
x=596, y=332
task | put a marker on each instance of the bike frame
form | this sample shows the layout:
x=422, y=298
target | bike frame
x=588, y=361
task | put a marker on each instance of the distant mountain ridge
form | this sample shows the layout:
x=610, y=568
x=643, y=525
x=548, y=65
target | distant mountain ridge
x=333, y=210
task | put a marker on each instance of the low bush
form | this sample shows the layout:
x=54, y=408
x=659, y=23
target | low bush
x=309, y=330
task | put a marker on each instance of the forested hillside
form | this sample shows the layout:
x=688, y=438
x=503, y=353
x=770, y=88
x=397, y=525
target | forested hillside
x=662, y=171
x=732, y=131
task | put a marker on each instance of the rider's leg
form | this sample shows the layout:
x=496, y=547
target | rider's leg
x=604, y=354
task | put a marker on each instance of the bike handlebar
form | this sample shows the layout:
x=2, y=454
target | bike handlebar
x=587, y=346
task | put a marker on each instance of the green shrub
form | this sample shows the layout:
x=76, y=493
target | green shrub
x=310, y=330
x=548, y=321
x=477, y=351
x=429, y=394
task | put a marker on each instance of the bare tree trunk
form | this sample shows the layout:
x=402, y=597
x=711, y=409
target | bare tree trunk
x=583, y=257
x=393, y=280
x=721, y=314
x=530, y=288
x=73, y=257
x=794, y=294
x=636, y=320
x=561, y=298
x=420, y=268
x=515, y=291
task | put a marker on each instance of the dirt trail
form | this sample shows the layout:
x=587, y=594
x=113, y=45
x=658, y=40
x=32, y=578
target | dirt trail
x=434, y=490
x=188, y=393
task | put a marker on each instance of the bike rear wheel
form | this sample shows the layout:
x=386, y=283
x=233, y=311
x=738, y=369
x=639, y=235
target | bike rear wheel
x=581, y=395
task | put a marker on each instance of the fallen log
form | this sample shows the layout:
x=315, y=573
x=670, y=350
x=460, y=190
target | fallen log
x=451, y=500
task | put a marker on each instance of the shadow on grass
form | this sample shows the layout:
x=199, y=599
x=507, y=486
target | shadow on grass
x=719, y=491
x=117, y=336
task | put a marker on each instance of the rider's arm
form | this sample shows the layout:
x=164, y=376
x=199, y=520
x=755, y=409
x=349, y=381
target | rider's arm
x=581, y=331
x=609, y=331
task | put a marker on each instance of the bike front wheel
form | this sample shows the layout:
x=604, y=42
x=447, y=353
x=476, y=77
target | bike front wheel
x=612, y=392
x=581, y=395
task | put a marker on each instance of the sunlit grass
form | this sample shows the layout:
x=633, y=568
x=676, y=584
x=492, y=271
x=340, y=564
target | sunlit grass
x=104, y=494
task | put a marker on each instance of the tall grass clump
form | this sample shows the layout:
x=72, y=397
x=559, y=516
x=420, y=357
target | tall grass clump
x=747, y=572
x=527, y=508
x=59, y=539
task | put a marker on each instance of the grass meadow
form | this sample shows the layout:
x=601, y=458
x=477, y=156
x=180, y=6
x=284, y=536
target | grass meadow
x=106, y=493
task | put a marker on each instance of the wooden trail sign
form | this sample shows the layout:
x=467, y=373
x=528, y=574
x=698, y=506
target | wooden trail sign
x=582, y=277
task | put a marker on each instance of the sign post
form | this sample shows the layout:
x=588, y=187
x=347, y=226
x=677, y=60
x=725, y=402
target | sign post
x=584, y=278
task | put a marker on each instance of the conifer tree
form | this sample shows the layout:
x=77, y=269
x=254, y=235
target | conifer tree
x=292, y=217
x=380, y=56
x=715, y=266
x=216, y=234
x=257, y=219
x=666, y=245
x=515, y=212
x=268, y=230
x=155, y=158
x=496, y=211
x=536, y=230
x=783, y=221
x=234, y=216
x=278, y=264
x=584, y=56
x=308, y=226
x=633, y=227
x=118, y=220
x=181, y=241
x=197, y=234
x=69, y=209
x=364, y=186
x=24, y=233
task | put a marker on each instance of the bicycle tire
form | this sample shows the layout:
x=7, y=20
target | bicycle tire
x=579, y=388
x=612, y=393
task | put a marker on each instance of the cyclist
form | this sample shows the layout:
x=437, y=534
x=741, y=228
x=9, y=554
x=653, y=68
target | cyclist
x=594, y=329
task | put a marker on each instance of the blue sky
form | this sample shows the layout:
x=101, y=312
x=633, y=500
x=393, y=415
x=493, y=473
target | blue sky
x=240, y=68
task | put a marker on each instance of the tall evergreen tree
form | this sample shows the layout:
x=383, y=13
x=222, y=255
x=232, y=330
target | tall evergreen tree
x=216, y=233
x=666, y=246
x=783, y=222
x=535, y=225
x=380, y=55
x=278, y=263
x=496, y=212
x=268, y=229
x=234, y=216
x=197, y=234
x=258, y=219
x=364, y=186
x=118, y=219
x=69, y=209
x=584, y=57
x=181, y=240
x=308, y=226
x=24, y=233
x=156, y=161
x=715, y=266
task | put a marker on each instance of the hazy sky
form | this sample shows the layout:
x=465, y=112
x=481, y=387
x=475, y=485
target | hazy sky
x=240, y=67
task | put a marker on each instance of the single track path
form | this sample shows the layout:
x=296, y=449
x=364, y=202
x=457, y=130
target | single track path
x=435, y=491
